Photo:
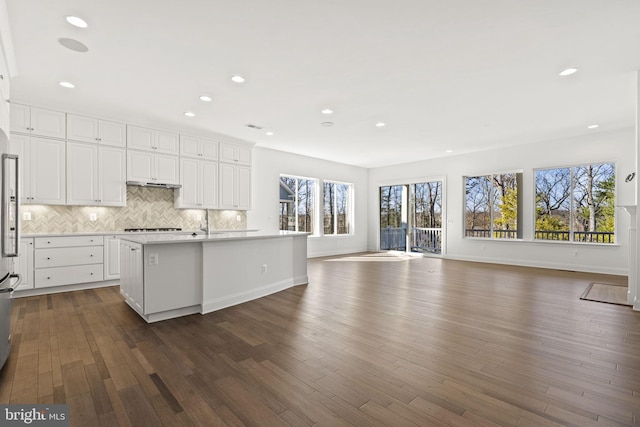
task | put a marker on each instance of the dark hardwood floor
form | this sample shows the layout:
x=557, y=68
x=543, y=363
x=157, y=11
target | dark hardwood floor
x=373, y=340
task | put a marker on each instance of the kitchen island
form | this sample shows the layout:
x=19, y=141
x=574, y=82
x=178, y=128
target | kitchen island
x=172, y=275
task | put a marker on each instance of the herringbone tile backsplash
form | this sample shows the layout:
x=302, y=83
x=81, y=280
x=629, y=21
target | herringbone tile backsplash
x=146, y=207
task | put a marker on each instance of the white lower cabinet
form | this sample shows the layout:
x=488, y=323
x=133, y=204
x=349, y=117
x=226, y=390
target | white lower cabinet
x=132, y=281
x=23, y=265
x=111, y=257
x=68, y=260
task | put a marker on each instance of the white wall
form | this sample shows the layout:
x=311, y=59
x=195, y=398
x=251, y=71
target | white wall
x=598, y=147
x=268, y=165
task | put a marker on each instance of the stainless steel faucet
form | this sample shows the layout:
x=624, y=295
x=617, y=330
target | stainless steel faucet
x=207, y=226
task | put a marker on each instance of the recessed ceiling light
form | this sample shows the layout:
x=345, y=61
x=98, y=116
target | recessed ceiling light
x=269, y=133
x=73, y=45
x=326, y=124
x=381, y=124
x=189, y=114
x=205, y=98
x=593, y=126
x=327, y=111
x=67, y=85
x=238, y=79
x=567, y=72
x=77, y=22
x=449, y=151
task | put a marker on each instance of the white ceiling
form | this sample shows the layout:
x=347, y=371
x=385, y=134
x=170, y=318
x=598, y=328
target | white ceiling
x=461, y=75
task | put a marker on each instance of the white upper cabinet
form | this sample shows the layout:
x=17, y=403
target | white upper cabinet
x=235, y=187
x=143, y=166
x=38, y=121
x=235, y=153
x=43, y=169
x=167, y=142
x=140, y=138
x=112, y=176
x=96, y=175
x=158, y=141
x=82, y=177
x=89, y=129
x=191, y=146
x=199, y=180
x=20, y=118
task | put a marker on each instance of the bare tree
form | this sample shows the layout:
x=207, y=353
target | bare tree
x=553, y=190
x=477, y=202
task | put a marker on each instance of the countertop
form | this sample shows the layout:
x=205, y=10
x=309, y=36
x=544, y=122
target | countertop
x=129, y=233
x=217, y=236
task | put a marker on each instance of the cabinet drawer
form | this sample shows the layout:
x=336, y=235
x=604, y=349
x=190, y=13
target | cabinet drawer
x=59, y=257
x=65, y=242
x=57, y=276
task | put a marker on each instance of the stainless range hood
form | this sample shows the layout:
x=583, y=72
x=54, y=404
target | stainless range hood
x=153, y=184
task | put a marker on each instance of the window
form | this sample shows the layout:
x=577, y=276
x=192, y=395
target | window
x=493, y=206
x=576, y=203
x=297, y=203
x=337, y=208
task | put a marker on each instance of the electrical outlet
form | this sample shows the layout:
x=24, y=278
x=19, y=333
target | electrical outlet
x=26, y=216
x=198, y=217
x=238, y=218
x=93, y=216
x=153, y=259
x=264, y=268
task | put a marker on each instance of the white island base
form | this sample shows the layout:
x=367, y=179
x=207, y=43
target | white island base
x=163, y=277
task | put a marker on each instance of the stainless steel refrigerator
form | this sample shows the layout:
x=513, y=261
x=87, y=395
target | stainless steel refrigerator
x=9, y=240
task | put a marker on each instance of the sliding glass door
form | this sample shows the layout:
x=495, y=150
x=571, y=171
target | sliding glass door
x=393, y=218
x=411, y=217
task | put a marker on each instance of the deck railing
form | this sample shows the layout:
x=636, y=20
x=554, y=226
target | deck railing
x=578, y=236
x=426, y=240
x=422, y=239
x=393, y=239
x=496, y=234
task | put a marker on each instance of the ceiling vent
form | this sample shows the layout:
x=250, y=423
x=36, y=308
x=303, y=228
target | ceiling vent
x=256, y=127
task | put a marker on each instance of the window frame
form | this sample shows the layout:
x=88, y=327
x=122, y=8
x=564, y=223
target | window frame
x=315, y=226
x=519, y=177
x=572, y=207
x=349, y=208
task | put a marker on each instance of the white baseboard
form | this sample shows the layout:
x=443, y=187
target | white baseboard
x=238, y=298
x=547, y=265
x=336, y=253
x=63, y=288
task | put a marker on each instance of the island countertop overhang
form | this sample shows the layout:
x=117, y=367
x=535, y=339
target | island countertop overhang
x=157, y=239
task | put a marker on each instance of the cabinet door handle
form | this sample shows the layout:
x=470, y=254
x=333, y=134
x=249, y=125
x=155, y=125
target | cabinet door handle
x=91, y=256
x=48, y=258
